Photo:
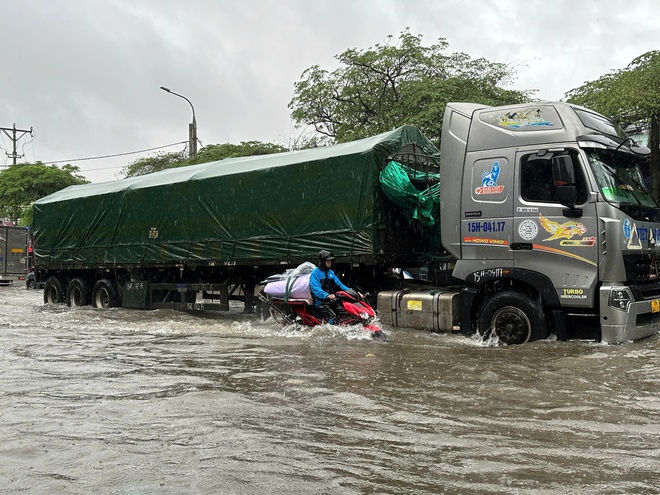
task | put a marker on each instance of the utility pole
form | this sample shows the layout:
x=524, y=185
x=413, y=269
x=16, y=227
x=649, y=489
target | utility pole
x=14, y=137
x=192, y=127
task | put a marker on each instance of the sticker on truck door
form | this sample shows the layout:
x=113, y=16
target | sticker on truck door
x=489, y=180
x=528, y=230
x=566, y=231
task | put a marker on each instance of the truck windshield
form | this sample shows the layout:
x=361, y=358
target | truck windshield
x=620, y=179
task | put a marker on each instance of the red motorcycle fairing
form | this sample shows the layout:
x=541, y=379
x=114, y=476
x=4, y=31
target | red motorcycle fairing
x=357, y=309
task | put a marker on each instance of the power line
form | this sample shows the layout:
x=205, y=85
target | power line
x=116, y=154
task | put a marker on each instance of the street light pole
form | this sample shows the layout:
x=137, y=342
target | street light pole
x=192, y=128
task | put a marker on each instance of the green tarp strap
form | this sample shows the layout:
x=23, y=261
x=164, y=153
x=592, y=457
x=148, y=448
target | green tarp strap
x=418, y=205
x=288, y=287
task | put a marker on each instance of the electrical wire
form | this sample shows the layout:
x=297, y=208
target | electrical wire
x=33, y=135
x=114, y=155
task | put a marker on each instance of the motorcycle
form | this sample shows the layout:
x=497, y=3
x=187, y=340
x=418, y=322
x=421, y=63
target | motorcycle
x=349, y=308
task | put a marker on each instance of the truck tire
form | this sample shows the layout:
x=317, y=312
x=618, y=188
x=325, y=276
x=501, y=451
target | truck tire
x=77, y=293
x=104, y=294
x=53, y=291
x=513, y=317
x=31, y=284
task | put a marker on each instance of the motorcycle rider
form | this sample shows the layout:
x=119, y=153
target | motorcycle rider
x=323, y=283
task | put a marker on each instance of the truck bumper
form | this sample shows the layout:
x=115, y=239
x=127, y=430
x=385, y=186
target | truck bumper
x=637, y=322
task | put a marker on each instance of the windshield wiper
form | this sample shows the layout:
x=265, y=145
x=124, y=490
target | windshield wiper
x=624, y=142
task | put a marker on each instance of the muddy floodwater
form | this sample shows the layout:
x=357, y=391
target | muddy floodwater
x=133, y=402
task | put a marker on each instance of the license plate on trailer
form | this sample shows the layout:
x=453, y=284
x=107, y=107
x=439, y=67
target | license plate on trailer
x=655, y=305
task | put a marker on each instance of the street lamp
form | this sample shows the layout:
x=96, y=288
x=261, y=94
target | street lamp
x=192, y=128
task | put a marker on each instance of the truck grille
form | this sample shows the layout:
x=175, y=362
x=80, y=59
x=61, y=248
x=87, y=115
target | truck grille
x=646, y=291
x=642, y=268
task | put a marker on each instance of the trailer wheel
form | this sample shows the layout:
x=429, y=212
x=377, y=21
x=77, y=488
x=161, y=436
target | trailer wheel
x=513, y=317
x=104, y=294
x=53, y=291
x=77, y=293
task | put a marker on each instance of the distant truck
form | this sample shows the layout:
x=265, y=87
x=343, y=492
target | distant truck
x=13, y=247
x=535, y=219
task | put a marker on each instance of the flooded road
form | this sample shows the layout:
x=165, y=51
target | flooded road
x=131, y=402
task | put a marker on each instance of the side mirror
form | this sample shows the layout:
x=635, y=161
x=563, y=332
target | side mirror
x=563, y=171
x=563, y=175
x=567, y=195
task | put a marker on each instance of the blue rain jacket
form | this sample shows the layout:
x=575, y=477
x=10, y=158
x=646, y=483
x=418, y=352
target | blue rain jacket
x=321, y=281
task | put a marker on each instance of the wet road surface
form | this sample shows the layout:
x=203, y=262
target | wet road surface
x=160, y=402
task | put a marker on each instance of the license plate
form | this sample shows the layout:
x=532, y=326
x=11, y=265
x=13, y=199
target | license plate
x=655, y=305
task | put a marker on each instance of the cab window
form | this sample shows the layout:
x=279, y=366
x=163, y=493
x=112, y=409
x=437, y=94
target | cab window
x=536, y=179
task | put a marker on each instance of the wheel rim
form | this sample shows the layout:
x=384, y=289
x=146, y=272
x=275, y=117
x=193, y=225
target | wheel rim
x=102, y=298
x=279, y=316
x=53, y=295
x=76, y=297
x=511, y=325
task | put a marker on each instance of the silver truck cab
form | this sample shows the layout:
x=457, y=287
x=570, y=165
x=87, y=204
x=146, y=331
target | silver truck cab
x=546, y=210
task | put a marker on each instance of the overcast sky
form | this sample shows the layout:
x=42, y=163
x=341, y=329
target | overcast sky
x=85, y=74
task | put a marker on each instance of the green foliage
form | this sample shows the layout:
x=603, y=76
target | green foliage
x=629, y=96
x=215, y=152
x=211, y=153
x=150, y=164
x=24, y=183
x=386, y=86
x=26, y=216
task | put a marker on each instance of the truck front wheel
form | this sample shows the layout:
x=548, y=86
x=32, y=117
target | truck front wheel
x=53, y=291
x=104, y=294
x=513, y=317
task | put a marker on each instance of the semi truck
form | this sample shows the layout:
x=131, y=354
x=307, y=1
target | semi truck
x=531, y=220
x=13, y=246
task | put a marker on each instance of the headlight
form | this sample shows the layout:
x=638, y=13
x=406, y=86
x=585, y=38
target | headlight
x=620, y=298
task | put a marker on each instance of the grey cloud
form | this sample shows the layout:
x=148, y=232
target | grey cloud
x=86, y=73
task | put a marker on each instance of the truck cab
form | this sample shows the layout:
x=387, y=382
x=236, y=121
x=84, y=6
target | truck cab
x=552, y=224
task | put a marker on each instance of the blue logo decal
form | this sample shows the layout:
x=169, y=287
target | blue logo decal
x=489, y=179
x=627, y=228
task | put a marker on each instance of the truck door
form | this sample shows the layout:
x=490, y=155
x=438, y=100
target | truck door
x=550, y=238
x=488, y=195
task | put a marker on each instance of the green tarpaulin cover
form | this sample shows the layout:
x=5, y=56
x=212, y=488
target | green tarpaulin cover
x=252, y=209
x=418, y=204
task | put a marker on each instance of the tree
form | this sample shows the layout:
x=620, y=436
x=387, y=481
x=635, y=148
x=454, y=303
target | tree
x=150, y=164
x=210, y=153
x=23, y=183
x=216, y=152
x=629, y=96
x=389, y=85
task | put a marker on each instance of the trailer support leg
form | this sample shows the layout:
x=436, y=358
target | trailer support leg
x=248, y=296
